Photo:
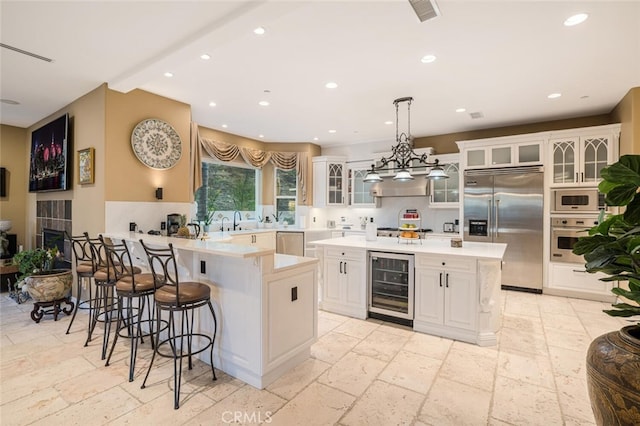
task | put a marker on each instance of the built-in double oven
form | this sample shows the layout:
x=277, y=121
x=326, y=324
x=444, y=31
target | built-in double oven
x=573, y=212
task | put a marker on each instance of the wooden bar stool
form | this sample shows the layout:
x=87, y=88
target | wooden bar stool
x=178, y=299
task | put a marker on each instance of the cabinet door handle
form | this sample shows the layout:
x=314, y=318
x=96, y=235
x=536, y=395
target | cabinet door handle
x=345, y=268
x=446, y=280
x=581, y=176
x=579, y=271
x=577, y=177
x=440, y=279
x=340, y=267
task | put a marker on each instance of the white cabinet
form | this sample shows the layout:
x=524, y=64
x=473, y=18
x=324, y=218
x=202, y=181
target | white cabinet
x=445, y=193
x=445, y=293
x=266, y=240
x=572, y=280
x=497, y=153
x=329, y=181
x=344, y=282
x=359, y=190
x=578, y=160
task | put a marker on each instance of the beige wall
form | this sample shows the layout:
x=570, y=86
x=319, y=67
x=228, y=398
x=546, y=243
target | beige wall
x=14, y=157
x=128, y=179
x=627, y=112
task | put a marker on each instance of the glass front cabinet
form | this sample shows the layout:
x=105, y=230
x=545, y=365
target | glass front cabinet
x=360, y=191
x=329, y=181
x=445, y=193
x=578, y=160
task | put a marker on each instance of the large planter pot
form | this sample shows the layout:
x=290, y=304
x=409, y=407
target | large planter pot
x=49, y=286
x=613, y=377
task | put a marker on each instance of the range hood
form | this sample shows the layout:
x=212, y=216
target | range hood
x=419, y=187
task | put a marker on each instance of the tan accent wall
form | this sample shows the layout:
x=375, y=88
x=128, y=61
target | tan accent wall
x=627, y=112
x=446, y=144
x=14, y=157
x=86, y=123
x=125, y=177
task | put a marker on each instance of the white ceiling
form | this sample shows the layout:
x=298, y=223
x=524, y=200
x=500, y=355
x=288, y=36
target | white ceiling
x=501, y=58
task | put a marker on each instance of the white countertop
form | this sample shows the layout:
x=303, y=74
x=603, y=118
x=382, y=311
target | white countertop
x=282, y=262
x=217, y=243
x=433, y=245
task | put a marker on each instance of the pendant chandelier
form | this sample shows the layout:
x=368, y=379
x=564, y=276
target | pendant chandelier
x=403, y=155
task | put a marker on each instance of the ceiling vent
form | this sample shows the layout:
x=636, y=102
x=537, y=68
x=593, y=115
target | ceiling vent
x=425, y=9
x=25, y=52
x=475, y=115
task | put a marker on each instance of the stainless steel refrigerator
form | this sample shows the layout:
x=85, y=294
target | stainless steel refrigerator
x=506, y=206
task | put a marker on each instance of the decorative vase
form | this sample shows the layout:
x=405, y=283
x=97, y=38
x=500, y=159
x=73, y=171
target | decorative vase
x=49, y=286
x=613, y=377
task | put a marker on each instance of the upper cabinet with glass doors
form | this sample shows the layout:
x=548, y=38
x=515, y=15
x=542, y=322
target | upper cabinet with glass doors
x=578, y=159
x=329, y=181
x=502, y=155
x=360, y=191
x=445, y=193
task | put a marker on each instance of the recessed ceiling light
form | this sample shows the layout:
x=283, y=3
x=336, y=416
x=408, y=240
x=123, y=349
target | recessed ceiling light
x=259, y=31
x=554, y=95
x=205, y=57
x=461, y=110
x=168, y=74
x=332, y=131
x=576, y=19
x=224, y=126
x=331, y=85
x=261, y=136
x=388, y=122
x=428, y=59
x=212, y=104
x=315, y=139
x=263, y=103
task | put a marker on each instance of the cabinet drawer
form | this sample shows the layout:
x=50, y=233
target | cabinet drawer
x=345, y=253
x=449, y=263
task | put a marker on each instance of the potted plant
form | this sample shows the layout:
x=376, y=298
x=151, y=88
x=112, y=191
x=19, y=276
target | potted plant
x=208, y=220
x=613, y=248
x=42, y=282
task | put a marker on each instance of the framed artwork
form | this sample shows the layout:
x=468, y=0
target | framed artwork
x=86, y=164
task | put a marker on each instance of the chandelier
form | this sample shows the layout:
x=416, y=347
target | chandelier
x=403, y=156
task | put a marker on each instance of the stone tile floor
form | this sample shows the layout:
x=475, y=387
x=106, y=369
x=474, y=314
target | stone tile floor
x=360, y=373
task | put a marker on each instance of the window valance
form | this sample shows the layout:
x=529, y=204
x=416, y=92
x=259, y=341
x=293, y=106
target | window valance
x=255, y=157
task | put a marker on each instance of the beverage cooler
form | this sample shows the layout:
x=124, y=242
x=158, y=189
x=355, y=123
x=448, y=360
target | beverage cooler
x=391, y=284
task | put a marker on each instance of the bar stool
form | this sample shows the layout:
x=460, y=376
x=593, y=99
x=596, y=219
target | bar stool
x=84, y=270
x=178, y=299
x=130, y=287
x=105, y=277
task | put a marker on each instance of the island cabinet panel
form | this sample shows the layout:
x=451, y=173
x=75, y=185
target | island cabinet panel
x=344, y=282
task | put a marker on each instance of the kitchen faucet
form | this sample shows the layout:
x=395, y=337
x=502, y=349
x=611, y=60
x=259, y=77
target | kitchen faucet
x=236, y=213
x=222, y=225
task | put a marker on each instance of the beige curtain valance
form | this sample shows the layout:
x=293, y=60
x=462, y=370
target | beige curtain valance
x=256, y=158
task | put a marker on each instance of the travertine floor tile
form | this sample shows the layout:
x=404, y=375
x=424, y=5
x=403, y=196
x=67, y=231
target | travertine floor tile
x=333, y=346
x=431, y=346
x=381, y=345
x=412, y=371
x=568, y=339
x=521, y=403
x=574, y=398
x=568, y=362
x=316, y=405
x=453, y=403
x=529, y=368
x=292, y=382
x=384, y=404
x=357, y=328
x=31, y=407
x=562, y=322
x=470, y=369
x=524, y=324
x=533, y=343
x=325, y=325
x=353, y=373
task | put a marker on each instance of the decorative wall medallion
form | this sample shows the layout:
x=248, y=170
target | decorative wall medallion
x=156, y=144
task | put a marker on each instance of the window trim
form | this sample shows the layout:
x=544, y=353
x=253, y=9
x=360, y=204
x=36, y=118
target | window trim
x=276, y=197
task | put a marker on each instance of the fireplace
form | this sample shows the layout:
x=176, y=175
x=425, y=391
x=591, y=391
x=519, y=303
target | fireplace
x=54, y=238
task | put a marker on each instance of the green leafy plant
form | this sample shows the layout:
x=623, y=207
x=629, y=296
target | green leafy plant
x=613, y=246
x=34, y=262
x=209, y=217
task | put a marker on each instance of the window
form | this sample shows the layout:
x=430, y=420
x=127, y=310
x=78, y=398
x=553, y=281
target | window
x=227, y=188
x=286, y=182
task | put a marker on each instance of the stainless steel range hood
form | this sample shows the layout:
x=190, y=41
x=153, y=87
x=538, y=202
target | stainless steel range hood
x=419, y=187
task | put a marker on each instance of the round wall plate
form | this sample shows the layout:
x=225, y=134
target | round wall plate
x=156, y=144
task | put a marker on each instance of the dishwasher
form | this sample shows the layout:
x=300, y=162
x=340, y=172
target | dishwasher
x=290, y=243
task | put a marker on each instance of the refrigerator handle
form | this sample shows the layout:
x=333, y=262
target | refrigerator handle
x=497, y=227
x=489, y=229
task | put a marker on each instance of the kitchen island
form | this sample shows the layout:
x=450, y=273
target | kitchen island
x=265, y=303
x=456, y=290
